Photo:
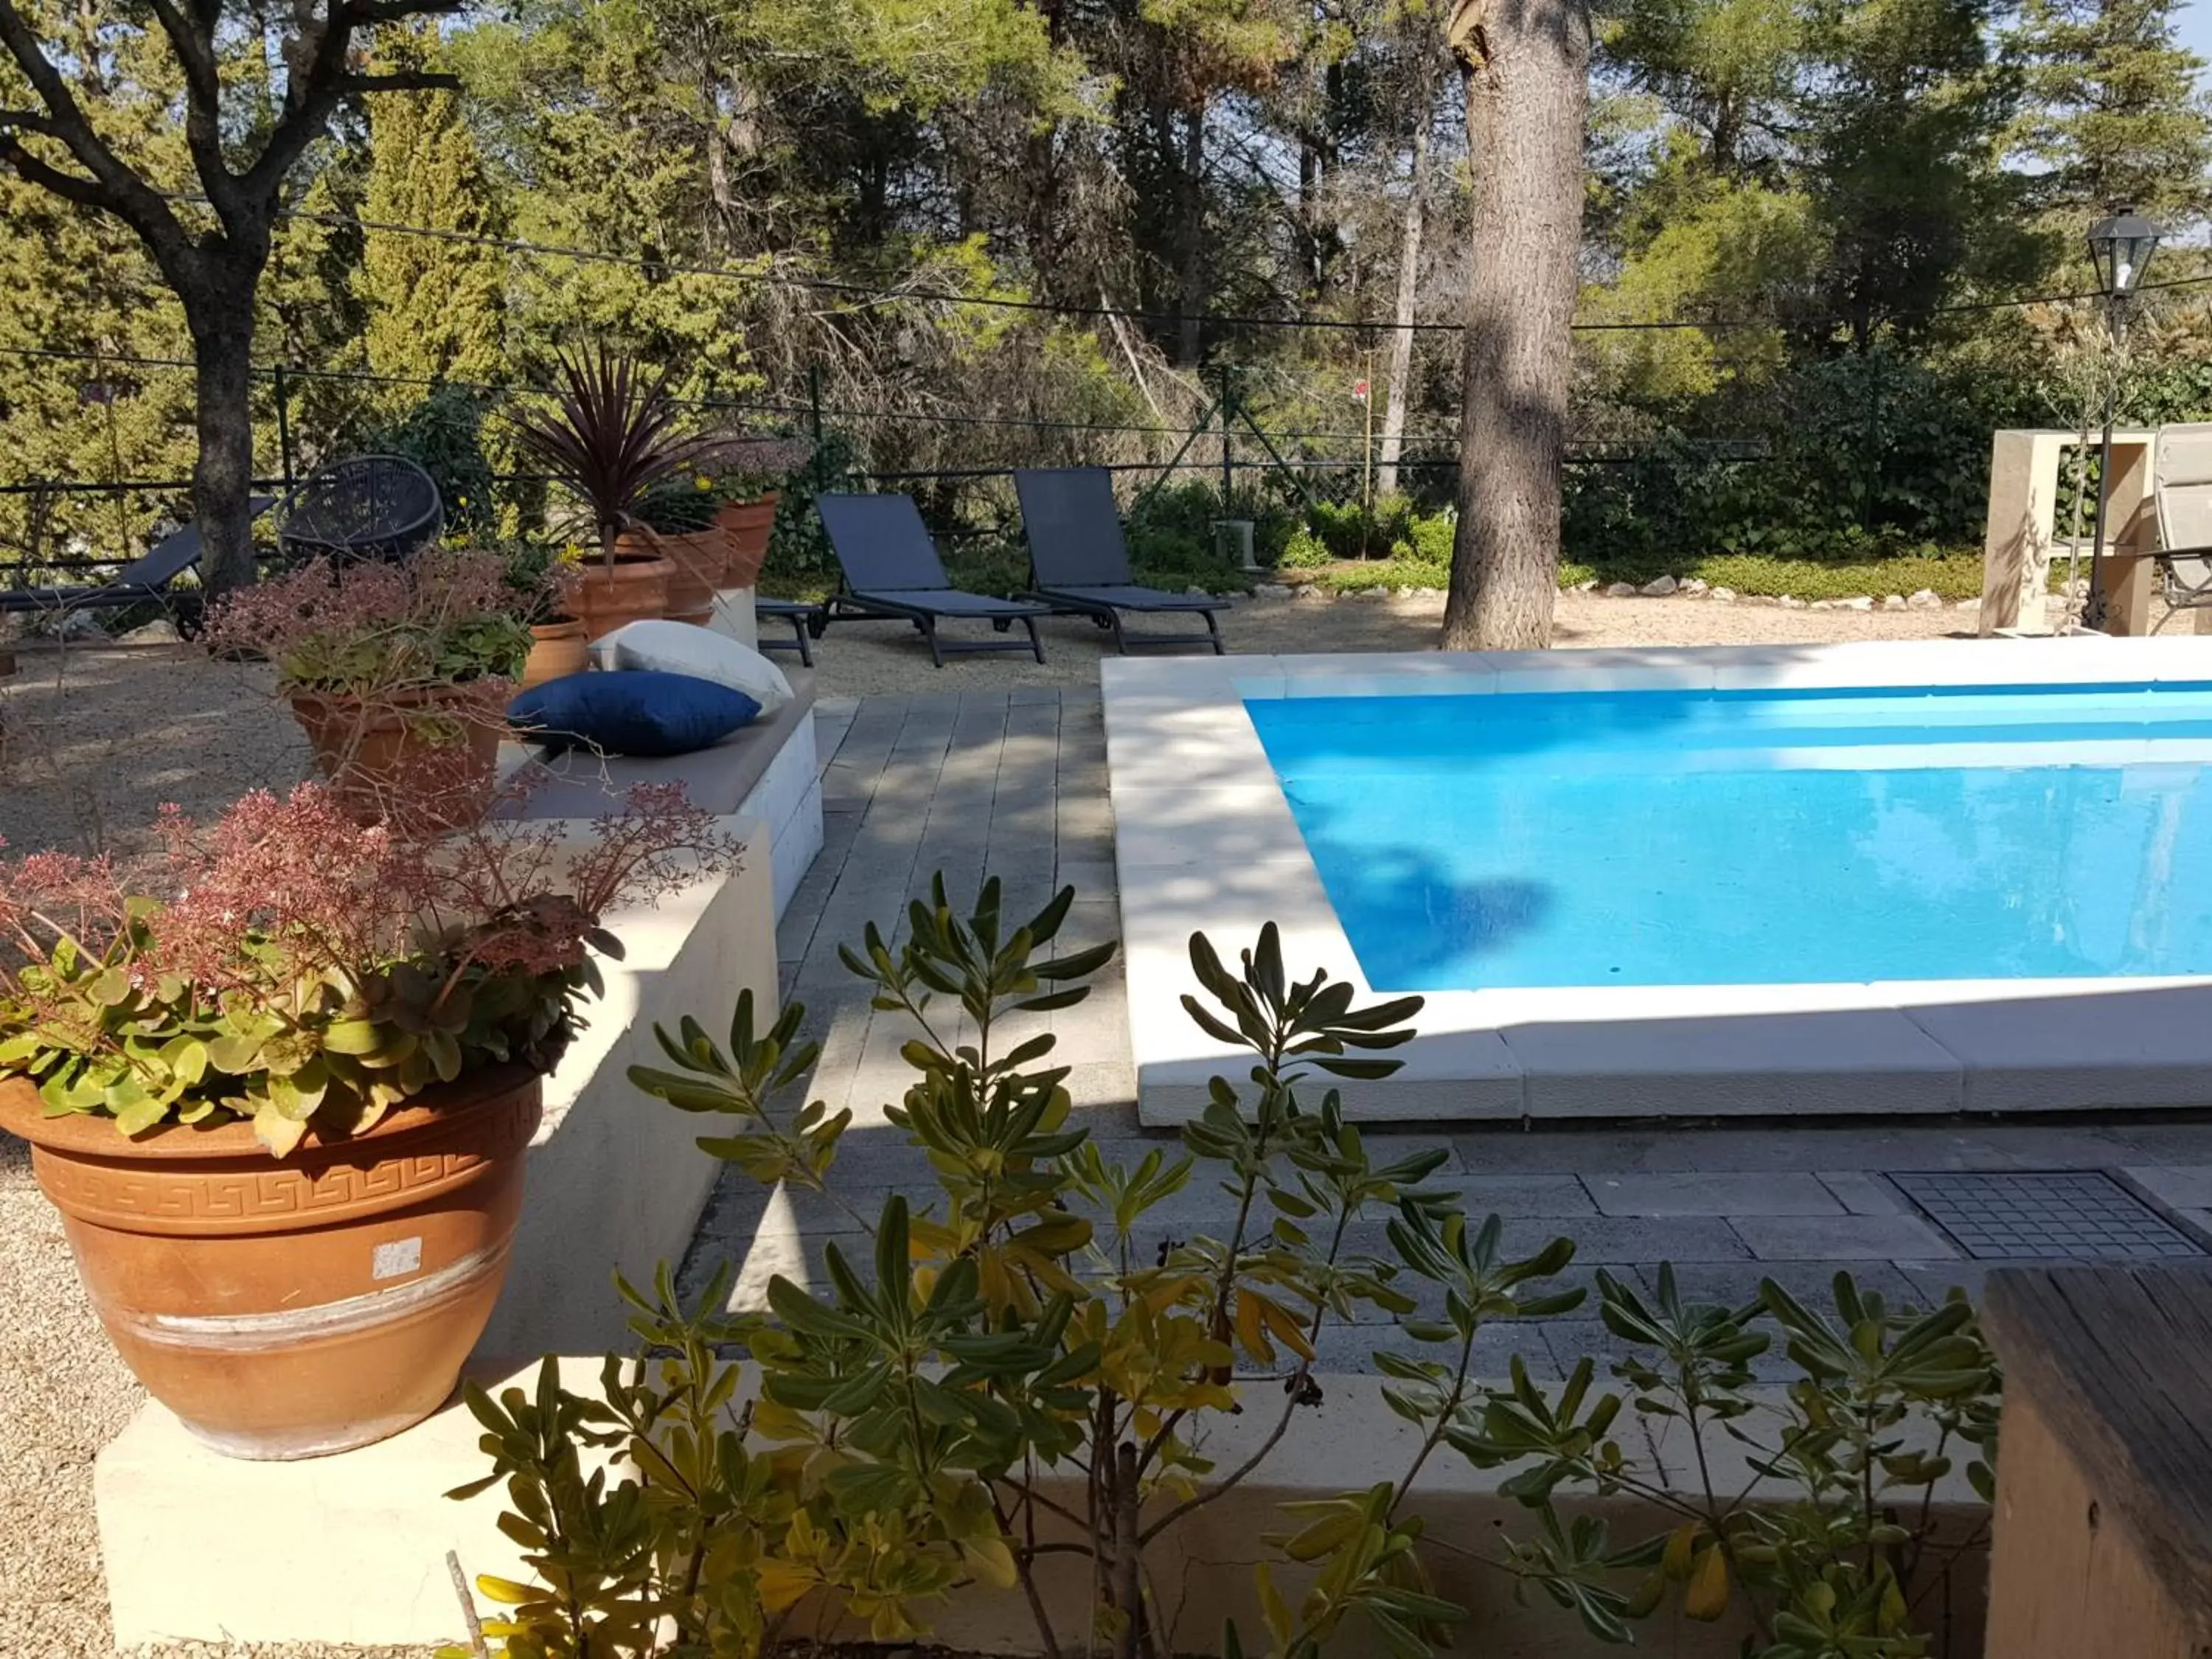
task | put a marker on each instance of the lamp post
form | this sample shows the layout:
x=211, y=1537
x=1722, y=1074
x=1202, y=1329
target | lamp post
x=2120, y=247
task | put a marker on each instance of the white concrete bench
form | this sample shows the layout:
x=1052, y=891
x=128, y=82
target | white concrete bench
x=767, y=770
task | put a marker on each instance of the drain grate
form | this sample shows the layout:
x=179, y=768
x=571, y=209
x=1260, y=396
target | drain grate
x=2062, y=1215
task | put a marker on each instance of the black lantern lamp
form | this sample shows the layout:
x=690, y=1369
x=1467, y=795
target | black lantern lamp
x=2120, y=247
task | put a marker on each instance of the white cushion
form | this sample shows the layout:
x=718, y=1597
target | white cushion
x=675, y=647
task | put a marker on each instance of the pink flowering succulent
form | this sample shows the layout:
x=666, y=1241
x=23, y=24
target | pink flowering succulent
x=374, y=629
x=398, y=674
x=292, y=966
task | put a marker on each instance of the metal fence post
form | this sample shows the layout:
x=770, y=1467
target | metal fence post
x=1228, y=465
x=284, y=428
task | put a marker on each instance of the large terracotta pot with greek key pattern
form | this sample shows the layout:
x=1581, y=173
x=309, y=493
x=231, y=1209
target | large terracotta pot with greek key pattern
x=291, y=1307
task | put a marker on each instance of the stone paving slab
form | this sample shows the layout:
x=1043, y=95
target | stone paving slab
x=1766, y=1193
x=1014, y=783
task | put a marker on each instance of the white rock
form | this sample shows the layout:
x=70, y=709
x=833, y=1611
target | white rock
x=1721, y=595
x=1429, y=593
x=1270, y=590
x=71, y=625
x=1825, y=604
x=1863, y=602
x=1968, y=604
x=1791, y=602
x=1620, y=591
x=160, y=631
x=1309, y=591
x=1696, y=584
x=1589, y=586
x=1405, y=592
x=1197, y=592
x=1659, y=587
x=1892, y=601
x=1926, y=598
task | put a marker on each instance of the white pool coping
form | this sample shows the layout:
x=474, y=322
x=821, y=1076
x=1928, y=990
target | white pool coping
x=1204, y=841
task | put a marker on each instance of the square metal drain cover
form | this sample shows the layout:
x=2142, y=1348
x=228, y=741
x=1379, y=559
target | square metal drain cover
x=2060, y=1215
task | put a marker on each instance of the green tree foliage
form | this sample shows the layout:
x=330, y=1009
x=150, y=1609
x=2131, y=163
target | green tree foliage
x=432, y=309
x=2113, y=112
x=1820, y=179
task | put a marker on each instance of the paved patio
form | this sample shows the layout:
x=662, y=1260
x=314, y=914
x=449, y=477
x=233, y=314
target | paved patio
x=1014, y=782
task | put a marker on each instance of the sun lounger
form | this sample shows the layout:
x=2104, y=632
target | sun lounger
x=892, y=572
x=142, y=579
x=799, y=615
x=2181, y=475
x=1079, y=563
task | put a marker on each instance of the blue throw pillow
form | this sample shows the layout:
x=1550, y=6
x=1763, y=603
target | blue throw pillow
x=631, y=712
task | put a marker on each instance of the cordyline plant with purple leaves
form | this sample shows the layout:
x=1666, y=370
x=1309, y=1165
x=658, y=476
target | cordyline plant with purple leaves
x=611, y=437
x=287, y=965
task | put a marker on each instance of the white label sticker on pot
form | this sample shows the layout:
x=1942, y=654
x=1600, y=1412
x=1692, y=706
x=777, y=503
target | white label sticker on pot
x=400, y=1257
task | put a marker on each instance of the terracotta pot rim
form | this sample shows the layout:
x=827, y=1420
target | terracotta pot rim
x=557, y=628
x=410, y=696
x=87, y=1136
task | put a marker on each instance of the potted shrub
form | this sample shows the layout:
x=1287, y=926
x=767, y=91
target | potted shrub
x=544, y=580
x=280, y=1082
x=610, y=440
x=678, y=521
x=752, y=472
x=399, y=674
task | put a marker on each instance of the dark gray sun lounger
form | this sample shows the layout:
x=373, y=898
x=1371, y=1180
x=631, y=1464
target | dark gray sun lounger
x=142, y=579
x=892, y=572
x=1079, y=563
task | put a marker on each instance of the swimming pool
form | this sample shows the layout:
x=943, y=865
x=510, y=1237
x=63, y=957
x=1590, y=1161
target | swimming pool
x=1659, y=837
x=1911, y=876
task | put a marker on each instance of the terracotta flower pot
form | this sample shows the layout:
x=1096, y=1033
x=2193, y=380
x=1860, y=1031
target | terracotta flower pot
x=426, y=757
x=745, y=526
x=698, y=560
x=635, y=590
x=290, y=1306
x=558, y=649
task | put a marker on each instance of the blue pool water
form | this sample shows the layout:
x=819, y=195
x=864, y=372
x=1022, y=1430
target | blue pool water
x=1700, y=838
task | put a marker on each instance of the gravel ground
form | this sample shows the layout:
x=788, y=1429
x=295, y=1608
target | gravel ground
x=97, y=739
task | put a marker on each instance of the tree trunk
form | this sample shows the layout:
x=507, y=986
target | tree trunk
x=1192, y=186
x=220, y=314
x=1402, y=338
x=1125, y=1580
x=1527, y=69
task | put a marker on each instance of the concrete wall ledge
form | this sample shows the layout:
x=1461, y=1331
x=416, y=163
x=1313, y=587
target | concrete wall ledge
x=375, y=1572
x=615, y=1179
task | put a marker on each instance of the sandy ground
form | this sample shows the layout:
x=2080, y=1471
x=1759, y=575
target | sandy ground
x=867, y=658
x=97, y=739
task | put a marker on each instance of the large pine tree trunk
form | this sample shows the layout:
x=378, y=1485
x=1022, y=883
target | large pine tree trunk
x=221, y=324
x=1527, y=68
x=1402, y=338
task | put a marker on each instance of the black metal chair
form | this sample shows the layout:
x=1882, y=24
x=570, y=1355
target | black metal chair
x=365, y=507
